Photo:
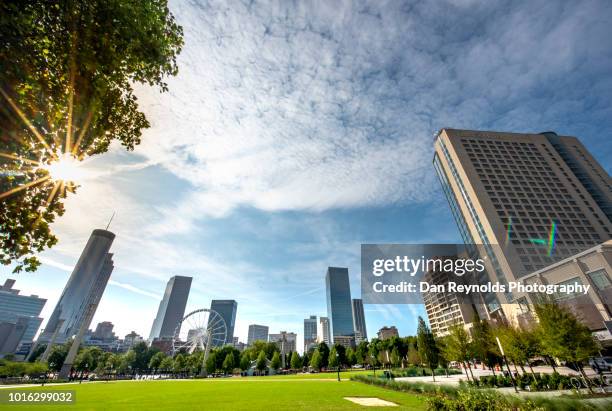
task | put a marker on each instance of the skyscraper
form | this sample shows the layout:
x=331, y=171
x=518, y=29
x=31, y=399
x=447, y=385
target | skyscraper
x=540, y=197
x=171, y=308
x=286, y=341
x=227, y=309
x=14, y=307
x=323, y=331
x=339, y=309
x=104, y=331
x=257, y=333
x=310, y=332
x=359, y=320
x=83, y=291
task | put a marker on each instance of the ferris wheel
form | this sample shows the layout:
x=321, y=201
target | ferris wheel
x=199, y=330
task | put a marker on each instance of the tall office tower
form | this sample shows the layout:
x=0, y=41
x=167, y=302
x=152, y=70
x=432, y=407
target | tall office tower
x=323, y=331
x=227, y=309
x=104, y=331
x=171, y=308
x=339, y=309
x=359, y=324
x=257, y=333
x=310, y=332
x=81, y=296
x=19, y=319
x=540, y=197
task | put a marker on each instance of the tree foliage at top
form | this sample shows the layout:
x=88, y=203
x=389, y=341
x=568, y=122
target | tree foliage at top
x=67, y=70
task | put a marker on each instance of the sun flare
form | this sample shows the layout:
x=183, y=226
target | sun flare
x=66, y=168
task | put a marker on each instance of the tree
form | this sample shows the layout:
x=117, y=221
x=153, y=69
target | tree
x=395, y=357
x=167, y=364
x=351, y=358
x=296, y=361
x=334, y=361
x=361, y=353
x=442, y=359
x=180, y=363
x=57, y=356
x=211, y=363
x=324, y=352
x=306, y=359
x=341, y=351
x=245, y=361
x=275, y=362
x=261, y=362
x=228, y=363
x=458, y=347
x=484, y=345
x=67, y=74
x=562, y=335
x=156, y=361
x=427, y=347
x=413, y=355
x=316, y=362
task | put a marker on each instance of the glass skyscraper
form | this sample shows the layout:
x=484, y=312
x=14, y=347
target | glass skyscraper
x=84, y=289
x=14, y=307
x=310, y=332
x=227, y=310
x=359, y=320
x=257, y=333
x=171, y=308
x=339, y=308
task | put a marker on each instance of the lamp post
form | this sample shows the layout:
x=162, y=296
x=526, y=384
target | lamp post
x=338, y=361
x=501, y=349
x=373, y=363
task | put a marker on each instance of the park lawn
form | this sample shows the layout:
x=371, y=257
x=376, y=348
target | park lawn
x=224, y=394
x=332, y=375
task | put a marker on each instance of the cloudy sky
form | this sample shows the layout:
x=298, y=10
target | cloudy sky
x=297, y=130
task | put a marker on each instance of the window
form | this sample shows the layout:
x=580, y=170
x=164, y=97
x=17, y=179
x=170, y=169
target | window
x=600, y=279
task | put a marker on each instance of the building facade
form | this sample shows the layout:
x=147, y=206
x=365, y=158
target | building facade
x=310, y=332
x=171, y=308
x=83, y=291
x=359, y=324
x=339, y=309
x=227, y=310
x=530, y=199
x=591, y=267
x=19, y=319
x=257, y=333
x=286, y=341
x=323, y=331
x=387, y=332
x=445, y=309
x=104, y=331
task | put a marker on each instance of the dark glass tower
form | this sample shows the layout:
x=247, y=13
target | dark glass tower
x=171, y=308
x=359, y=319
x=226, y=309
x=339, y=308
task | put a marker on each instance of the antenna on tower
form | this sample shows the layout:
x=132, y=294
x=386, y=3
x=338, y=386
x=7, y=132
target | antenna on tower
x=109, y=221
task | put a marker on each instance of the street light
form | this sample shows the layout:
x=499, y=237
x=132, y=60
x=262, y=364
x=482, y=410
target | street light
x=338, y=361
x=501, y=349
x=373, y=363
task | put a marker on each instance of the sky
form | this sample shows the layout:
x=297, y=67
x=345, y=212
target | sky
x=295, y=131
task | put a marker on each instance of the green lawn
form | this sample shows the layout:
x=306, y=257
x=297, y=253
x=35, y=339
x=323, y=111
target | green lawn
x=323, y=375
x=225, y=394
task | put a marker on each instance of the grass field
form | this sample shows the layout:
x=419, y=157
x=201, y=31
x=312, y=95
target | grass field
x=225, y=394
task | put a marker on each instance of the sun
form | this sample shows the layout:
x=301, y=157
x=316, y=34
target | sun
x=66, y=168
